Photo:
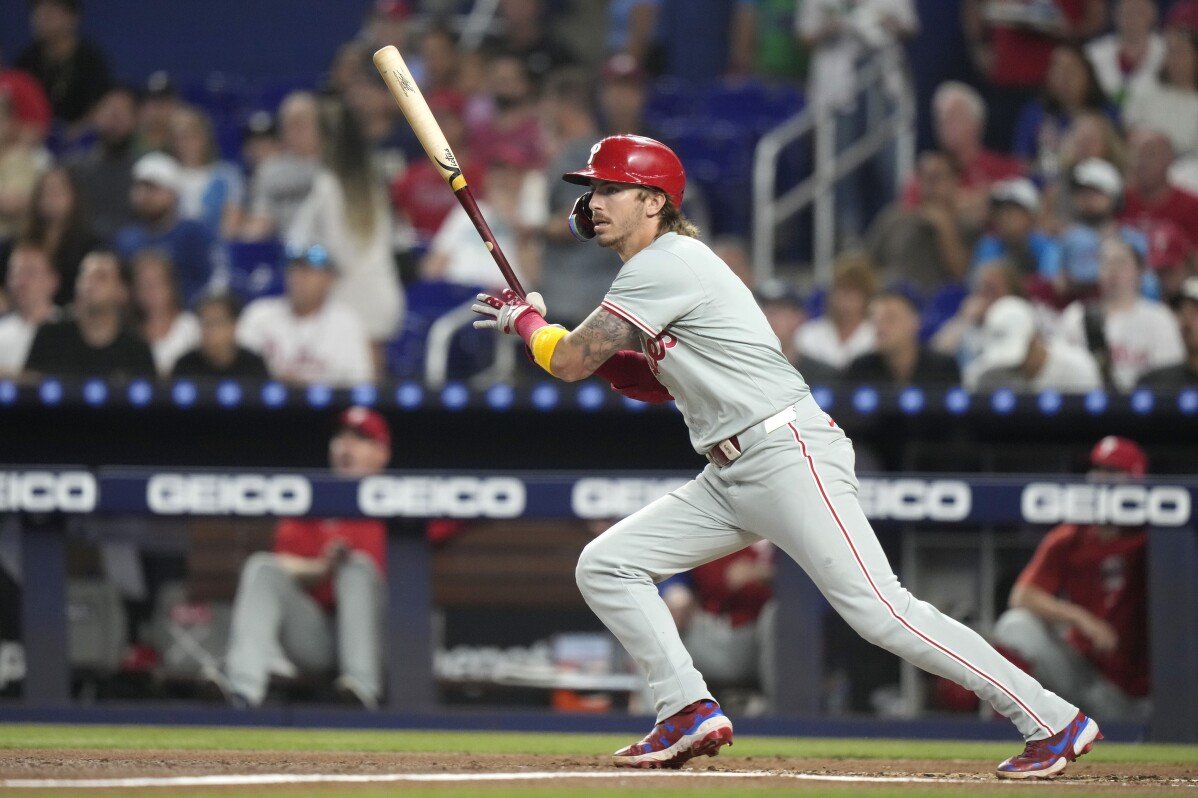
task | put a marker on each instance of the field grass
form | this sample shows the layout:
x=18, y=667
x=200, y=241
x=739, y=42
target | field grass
x=561, y=744
x=450, y=743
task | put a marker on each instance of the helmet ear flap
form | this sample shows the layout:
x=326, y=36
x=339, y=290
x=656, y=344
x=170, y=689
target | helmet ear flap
x=581, y=220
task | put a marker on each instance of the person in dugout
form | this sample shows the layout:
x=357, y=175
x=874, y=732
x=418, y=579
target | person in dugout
x=315, y=604
x=1078, y=612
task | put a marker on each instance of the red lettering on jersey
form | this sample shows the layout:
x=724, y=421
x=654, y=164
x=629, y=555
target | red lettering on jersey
x=655, y=348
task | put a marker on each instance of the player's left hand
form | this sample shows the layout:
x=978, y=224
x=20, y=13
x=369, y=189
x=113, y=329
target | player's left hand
x=503, y=311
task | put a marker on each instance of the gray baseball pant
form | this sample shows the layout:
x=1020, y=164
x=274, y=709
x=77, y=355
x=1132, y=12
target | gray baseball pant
x=796, y=488
x=276, y=621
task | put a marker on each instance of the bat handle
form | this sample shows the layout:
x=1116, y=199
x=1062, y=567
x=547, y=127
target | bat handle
x=466, y=198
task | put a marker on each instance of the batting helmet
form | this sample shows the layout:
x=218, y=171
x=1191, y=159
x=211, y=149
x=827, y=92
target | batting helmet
x=1119, y=454
x=638, y=160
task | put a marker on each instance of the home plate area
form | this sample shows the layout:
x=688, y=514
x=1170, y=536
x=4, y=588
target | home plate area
x=258, y=771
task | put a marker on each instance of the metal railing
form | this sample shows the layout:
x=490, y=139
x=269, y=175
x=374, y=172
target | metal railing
x=440, y=340
x=770, y=210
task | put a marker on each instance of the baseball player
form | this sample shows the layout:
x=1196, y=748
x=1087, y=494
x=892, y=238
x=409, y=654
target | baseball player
x=677, y=324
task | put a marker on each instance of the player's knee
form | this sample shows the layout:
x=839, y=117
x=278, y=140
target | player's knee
x=1015, y=627
x=593, y=567
x=261, y=565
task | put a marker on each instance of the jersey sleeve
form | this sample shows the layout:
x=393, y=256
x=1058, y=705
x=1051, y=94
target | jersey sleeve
x=653, y=290
x=1047, y=566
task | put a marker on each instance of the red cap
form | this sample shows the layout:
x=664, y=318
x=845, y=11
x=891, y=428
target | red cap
x=397, y=9
x=1168, y=245
x=638, y=160
x=366, y=423
x=1119, y=454
x=1184, y=14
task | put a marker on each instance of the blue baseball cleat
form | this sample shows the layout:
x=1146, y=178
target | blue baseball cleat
x=699, y=729
x=1048, y=758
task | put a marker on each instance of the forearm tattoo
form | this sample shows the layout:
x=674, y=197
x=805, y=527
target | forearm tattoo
x=599, y=337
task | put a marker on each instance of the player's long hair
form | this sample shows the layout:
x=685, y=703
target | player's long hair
x=671, y=220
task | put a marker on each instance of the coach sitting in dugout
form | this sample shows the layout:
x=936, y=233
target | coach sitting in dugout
x=1078, y=615
x=316, y=602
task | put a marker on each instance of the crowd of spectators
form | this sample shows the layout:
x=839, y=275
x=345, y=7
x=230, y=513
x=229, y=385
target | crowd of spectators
x=1060, y=190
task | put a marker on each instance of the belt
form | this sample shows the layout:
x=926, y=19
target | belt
x=728, y=450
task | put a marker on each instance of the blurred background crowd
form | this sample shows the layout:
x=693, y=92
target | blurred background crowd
x=1044, y=238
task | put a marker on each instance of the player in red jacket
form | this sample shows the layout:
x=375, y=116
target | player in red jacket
x=1078, y=613
x=315, y=603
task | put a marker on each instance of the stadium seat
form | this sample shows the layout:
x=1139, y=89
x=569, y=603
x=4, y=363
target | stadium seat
x=940, y=307
x=427, y=301
x=255, y=269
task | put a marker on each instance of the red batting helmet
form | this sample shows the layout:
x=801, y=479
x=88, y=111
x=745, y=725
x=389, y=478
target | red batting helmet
x=638, y=160
x=1119, y=454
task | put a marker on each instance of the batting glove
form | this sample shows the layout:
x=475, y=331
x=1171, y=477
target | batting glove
x=503, y=312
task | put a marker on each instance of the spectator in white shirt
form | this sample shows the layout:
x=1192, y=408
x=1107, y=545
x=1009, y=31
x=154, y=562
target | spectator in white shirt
x=170, y=330
x=1015, y=354
x=844, y=332
x=1169, y=103
x=305, y=337
x=1129, y=334
x=348, y=214
x=514, y=205
x=1128, y=59
x=30, y=284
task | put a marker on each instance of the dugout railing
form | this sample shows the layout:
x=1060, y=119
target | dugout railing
x=43, y=499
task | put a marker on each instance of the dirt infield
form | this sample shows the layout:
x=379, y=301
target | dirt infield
x=457, y=769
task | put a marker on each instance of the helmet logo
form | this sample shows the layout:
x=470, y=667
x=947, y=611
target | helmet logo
x=594, y=152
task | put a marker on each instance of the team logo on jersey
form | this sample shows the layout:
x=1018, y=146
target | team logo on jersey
x=655, y=348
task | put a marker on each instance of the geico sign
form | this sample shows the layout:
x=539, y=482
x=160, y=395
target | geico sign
x=449, y=497
x=915, y=499
x=228, y=494
x=617, y=498
x=46, y=492
x=1123, y=505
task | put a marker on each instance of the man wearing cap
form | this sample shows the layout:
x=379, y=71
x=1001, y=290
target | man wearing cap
x=1014, y=209
x=155, y=199
x=315, y=603
x=1078, y=615
x=677, y=323
x=304, y=336
x=1097, y=191
x=1014, y=354
x=1185, y=372
x=1128, y=334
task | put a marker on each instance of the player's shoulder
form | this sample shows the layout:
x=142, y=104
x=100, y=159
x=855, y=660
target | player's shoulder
x=1064, y=535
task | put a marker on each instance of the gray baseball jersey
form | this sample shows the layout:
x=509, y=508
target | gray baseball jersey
x=705, y=338
x=794, y=486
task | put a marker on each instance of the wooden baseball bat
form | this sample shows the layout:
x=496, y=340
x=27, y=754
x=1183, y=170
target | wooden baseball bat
x=391, y=66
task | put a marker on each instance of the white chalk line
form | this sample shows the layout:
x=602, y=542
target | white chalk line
x=265, y=779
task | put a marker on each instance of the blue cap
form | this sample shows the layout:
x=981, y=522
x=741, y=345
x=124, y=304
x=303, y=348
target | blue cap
x=314, y=255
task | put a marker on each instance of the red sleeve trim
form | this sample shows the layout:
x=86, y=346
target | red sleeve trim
x=629, y=317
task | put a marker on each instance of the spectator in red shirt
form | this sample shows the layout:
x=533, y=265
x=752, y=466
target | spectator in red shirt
x=1149, y=194
x=418, y=195
x=1078, y=613
x=959, y=114
x=30, y=105
x=724, y=610
x=1012, y=42
x=315, y=603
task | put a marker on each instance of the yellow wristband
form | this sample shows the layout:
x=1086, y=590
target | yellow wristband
x=543, y=342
